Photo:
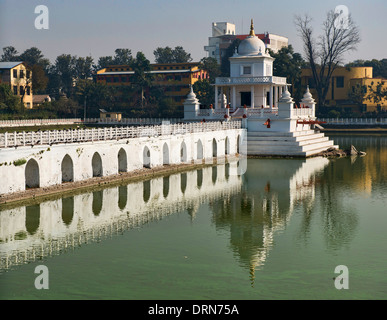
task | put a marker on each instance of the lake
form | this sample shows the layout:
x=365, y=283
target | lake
x=278, y=231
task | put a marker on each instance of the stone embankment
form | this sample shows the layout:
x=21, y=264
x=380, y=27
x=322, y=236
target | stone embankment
x=337, y=153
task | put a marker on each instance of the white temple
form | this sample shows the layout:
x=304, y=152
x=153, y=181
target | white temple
x=251, y=82
x=275, y=125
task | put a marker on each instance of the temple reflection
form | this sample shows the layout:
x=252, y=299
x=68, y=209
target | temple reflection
x=271, y=190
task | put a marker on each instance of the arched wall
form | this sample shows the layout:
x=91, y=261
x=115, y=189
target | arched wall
x=51, y=165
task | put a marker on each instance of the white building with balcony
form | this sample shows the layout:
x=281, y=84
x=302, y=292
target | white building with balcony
x=251, y=82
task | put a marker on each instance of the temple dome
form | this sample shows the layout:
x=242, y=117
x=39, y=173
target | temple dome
x=252, y=45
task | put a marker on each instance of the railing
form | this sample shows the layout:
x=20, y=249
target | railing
x=132, y=121
x=355, y=121
x=49, y=137
x=250, y=80
x=36, y=122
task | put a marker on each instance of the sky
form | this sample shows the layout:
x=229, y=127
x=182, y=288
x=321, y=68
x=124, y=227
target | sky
x=97, y=27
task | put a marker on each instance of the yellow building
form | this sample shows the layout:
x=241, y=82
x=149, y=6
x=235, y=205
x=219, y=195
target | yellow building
x=174, y=78
x=115, y=116
x=345, y=87
x=19, y=77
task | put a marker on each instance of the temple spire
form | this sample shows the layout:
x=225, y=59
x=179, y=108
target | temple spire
x=252, y=29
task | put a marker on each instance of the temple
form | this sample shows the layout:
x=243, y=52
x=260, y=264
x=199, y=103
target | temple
x=275, y=125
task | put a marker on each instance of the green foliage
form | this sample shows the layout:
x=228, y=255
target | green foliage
x=169, y=55
x=204, y=91
x=19, y=162
x=9, y=103
x=288, y=64
x=212, y=66
x=225, y=63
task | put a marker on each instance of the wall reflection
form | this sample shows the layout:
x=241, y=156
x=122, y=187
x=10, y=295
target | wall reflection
x=54, y=226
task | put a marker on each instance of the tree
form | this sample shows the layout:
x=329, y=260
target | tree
x=83, y=67
x=225, y=62
x=9, y=103
x=9, y=54
x=64, y=70
x=357, y=94
x=105, y=61
x=378, y=93
x=169, y=55
x=123, y=57
x=325, y=54
x=163, y=55
x=204, y=91
x=141, y=78
x=211, y=66
x=288, y=64
x=33, y=56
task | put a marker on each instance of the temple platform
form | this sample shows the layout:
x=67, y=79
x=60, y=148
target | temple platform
x=296, y=144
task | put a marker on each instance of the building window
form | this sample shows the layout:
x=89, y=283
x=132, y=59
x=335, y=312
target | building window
x=246, y=70
x=178, y=78
x=15, y=90
x=15, y=73
x=28, y=91
x=116, y=79
x=28, y=105
x=21, y=90
x=28, y=74
x=21, y=74
x=340, y=82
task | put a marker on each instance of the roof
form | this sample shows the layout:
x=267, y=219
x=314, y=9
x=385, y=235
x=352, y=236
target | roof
x=153, y=71
x=9, y=64
x=40, y=97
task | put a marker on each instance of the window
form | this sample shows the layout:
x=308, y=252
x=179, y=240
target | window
x=178, y=78
x=21, y=74
x=246, y=70
x=21, y=90
x=15, y=90
x=340, y=82
x=14, y=73
x=311, y=83
x=28, y=91
x=28, y=74
x=28, y=105
x=116, y=79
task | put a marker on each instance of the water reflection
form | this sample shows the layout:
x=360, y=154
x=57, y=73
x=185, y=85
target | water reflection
x=271, y=190
x=52, y=227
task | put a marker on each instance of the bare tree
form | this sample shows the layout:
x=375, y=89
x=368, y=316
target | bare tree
x=325, y=53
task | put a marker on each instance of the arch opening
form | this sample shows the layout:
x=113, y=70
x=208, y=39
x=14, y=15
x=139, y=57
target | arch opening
x=199, y=153
x=214, y=148
x=165, y=154
x=183, y=152
x=32, y=178
x=122, y=161
x=67, y=168
x=96, y=164
x=146, y=158
x=227, y=146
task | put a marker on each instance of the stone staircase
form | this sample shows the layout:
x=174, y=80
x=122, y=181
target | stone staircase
x=298, y=144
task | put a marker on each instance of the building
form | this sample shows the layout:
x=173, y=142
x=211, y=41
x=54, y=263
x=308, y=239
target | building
x=19, y=77
x=224, y=33
x=345, y=88
x=251, y=80
x=115, y=116
x=174, y=78
x=38, y=99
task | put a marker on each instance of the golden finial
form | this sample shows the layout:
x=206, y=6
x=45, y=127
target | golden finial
x=252, y=29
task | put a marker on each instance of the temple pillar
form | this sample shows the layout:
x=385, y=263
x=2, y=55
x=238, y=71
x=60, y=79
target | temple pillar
x=252, y=97
x=216, y=97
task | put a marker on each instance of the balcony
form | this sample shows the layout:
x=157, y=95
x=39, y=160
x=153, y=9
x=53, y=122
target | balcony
x=250, y=80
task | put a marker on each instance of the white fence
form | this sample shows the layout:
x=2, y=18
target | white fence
x=49, y=137
x=355, y=121
x=133, y=121
x=38, y=122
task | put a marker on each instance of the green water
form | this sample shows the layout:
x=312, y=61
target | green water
x=276, y=232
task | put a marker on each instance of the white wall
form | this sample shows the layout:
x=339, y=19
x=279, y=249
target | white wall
x=49, y=158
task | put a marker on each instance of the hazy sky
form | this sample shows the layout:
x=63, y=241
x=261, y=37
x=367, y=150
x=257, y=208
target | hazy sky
x=98, y=27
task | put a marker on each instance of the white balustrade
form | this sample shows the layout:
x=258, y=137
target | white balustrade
x=49, y=137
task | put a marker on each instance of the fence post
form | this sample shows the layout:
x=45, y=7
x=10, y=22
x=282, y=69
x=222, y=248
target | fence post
x=5, y=139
